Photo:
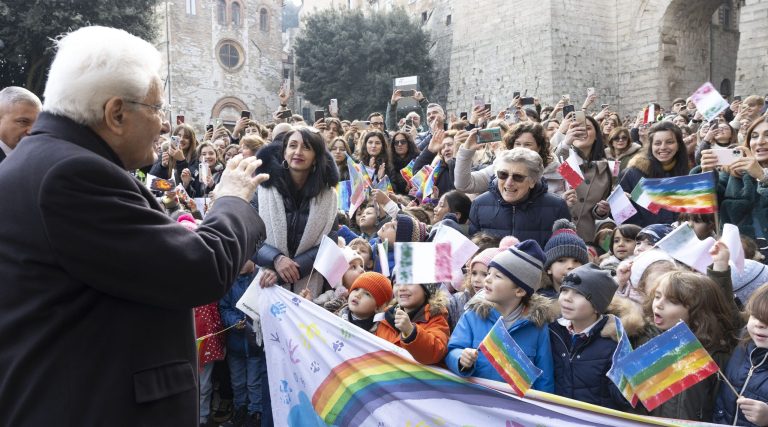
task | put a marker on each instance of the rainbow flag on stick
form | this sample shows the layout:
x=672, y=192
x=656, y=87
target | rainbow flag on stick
x=616, y=374
x=343, y=192
x=509, y=359
x=666, y=365
x=384, y=185
x=407, y=172
x=687, y=193
x=359, y=181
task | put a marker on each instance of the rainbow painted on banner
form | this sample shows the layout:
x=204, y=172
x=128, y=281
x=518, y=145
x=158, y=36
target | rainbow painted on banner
x=666, y=365
x=509, y=359
x=687, y=193
x=356, y=388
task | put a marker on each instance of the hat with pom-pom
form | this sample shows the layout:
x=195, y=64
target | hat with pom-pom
x=565, y=243
x=409, y=229
x=507, y=242
x=485, y=256
x=522, y=264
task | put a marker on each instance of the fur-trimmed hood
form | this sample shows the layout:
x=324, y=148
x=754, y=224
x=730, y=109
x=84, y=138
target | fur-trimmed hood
x=538, y=311
x=438, y=304
x=272, y=164
x=629, y=312
x=641, y=161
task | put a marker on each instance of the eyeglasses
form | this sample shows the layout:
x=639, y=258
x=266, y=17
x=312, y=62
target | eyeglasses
x=162, y=108
x=400, y=142
x=377, y=123
x=504, y=175
x=621, y=138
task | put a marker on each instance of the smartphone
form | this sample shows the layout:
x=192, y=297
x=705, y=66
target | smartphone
x=175, y=141
x=217, y=122
x=319, y=114
x=567, y=98
x=333, y=107
x=737, y=98
x=409, y=122
x=208, y=128
x=285, y=114
x=590, y=91
x=407, y=93
x=488, y=107
x=245, y=114
x=580, y=117
x=568, y=109
x=485, y=136
x=515, y=95
x=511, y=116
x=463, y=115
x=361, y=124
x=478, y=102
x=526, y=101
x=726, y=156
x=179, y=119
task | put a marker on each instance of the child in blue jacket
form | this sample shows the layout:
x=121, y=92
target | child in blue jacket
x=513, y=277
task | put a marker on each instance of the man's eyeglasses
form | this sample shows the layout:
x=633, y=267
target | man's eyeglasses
x=504, y=175
x=158, y=107
x=400, y=142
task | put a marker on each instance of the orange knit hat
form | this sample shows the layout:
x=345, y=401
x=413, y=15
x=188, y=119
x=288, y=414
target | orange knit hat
x=376, y=284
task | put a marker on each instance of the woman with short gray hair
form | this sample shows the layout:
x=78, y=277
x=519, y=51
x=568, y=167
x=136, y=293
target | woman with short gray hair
x=516, y=202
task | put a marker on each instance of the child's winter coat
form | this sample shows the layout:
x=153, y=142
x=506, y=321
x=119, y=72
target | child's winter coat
x=530, y=332
x=428, y=343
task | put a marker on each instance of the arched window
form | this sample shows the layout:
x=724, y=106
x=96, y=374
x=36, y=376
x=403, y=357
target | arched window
x=235, y=14
x=221, y=12
x=264, y=20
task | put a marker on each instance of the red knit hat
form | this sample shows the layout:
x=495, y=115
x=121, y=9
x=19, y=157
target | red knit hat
x=376, y=284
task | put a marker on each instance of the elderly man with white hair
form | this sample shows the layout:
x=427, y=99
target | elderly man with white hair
x=97, y=284
x=18, y=111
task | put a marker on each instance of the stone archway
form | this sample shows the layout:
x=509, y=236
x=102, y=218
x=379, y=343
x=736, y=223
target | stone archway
x=228, y=109
x=686, y=46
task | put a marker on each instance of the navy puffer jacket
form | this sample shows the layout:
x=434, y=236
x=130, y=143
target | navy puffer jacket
x=581, y=364
x=737, y=372
x=531, y=218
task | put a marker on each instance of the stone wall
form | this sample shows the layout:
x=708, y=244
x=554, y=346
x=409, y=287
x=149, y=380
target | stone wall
x=752, y=63
x=201, y=87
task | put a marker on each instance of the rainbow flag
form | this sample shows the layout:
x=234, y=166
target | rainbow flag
x=428, y=186
x=667, y=365
x=343, y=193
x=384, y=185
x=509, y=359
x=687, y=193
x=616, y=374
x=407, y=172
x=419, y=180
x=359, y=181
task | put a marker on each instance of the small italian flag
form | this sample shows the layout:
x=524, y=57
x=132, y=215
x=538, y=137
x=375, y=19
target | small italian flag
x=641, y=198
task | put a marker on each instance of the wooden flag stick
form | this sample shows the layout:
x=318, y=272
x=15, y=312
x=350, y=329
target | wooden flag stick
x=719, y=372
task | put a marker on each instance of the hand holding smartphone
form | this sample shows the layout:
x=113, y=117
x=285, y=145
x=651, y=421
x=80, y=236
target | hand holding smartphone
x=285, y=114
x=726, y=156
x=485, y=136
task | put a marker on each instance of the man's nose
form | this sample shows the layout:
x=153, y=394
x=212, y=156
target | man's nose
x=166, y=127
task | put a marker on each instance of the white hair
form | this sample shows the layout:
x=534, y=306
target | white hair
x=16, y=95
x=530, y=159
x=94, y=64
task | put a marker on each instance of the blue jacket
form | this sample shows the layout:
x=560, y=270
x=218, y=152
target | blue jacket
x=581, y=364
x=241, y=342
x=737, y=372
x=530, y=332
x=531, y=218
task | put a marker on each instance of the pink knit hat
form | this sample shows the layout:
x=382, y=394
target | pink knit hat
x=187, y=221
x=485, y=256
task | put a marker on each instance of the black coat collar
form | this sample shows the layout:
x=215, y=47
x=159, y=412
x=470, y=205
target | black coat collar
x=66, y=129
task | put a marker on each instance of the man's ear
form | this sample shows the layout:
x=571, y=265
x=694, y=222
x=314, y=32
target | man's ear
x=114, y=115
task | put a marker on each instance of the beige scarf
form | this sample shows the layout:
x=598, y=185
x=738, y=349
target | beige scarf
x=322, y=215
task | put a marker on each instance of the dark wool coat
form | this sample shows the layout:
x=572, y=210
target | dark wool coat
x=97, y=286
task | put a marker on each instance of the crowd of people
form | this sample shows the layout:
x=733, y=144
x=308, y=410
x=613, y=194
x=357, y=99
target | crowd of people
x=551, y=262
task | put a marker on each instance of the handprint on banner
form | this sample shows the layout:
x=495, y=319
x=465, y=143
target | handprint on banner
x=285, y=391
x=310, y=332
x=277, y=309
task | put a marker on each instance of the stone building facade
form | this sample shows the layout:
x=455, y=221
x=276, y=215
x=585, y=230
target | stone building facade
x=632, y=51
x=221, y=57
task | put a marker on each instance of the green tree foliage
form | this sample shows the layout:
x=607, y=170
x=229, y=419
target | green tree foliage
x=352, y=57
x=27, y=28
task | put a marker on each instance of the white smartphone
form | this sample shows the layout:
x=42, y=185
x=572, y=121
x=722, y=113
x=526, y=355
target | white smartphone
x=333, y=108
x=726, y=156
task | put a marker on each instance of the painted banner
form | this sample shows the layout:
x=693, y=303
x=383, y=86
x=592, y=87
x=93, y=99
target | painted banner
x=324, y=371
